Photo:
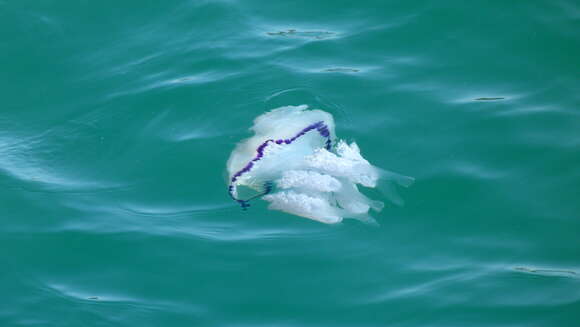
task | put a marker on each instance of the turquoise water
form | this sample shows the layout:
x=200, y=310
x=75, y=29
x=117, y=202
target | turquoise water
x=117, y=119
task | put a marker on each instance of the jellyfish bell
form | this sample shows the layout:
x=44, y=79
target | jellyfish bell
x=282, y=137
x=295, y=162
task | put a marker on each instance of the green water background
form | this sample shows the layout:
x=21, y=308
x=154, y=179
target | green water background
x=117, y=118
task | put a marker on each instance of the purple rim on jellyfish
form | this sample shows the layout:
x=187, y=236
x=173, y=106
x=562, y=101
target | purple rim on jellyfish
x=319, y=126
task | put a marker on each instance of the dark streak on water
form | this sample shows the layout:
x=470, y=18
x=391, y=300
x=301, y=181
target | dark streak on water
x=489, y=99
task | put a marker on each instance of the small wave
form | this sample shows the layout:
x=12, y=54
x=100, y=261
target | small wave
x=162, y=80
x=192, y=130
x=160, y=211
x=489, y=99
x=548, y=272
x=201, y=78
x=476, y=170
x=484, y=97
x=37, y=160
x=341, y=70
x=292, y=33
x=84, y=294
x=75, y=294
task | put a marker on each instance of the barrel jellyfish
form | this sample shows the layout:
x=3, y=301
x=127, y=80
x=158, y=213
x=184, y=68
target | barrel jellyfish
x=296, y=163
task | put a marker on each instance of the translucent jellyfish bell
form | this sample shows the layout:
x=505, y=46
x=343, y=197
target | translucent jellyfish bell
x=295, y=162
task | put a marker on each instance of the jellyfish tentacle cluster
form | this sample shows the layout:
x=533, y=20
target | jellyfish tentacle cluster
x=300, y=172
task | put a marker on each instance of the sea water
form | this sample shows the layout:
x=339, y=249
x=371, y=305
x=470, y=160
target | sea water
x=118, y=118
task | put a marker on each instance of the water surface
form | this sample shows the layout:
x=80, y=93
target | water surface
x=117, y=119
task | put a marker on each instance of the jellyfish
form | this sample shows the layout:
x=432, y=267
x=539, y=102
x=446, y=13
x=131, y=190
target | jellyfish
x=295, y=162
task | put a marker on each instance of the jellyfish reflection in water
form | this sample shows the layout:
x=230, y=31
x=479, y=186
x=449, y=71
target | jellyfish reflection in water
x=295, y=162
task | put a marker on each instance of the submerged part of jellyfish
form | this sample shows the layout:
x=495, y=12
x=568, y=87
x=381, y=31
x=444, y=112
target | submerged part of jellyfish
x=295, y=162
